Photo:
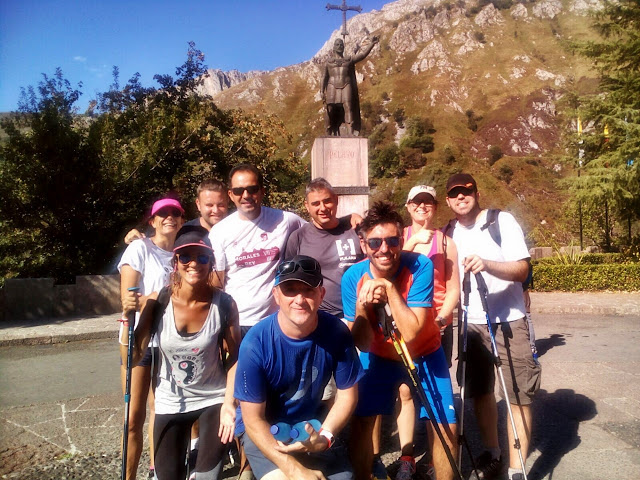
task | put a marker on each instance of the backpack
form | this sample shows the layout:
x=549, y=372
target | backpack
x=493, y=227
x=491, y=224
x=224, y=308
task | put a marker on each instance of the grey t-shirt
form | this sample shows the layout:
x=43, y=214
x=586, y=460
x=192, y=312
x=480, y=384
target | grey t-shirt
x=335, y=250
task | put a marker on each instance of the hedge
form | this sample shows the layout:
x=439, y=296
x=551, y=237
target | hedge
x=574, y=278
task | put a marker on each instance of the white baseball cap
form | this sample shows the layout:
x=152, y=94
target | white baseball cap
x=418, y=189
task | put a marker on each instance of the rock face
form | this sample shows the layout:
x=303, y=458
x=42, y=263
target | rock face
x=219, y=80
x=440, y=59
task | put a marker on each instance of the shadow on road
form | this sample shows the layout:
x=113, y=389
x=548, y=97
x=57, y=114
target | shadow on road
x=543, y=345
x=557, y=417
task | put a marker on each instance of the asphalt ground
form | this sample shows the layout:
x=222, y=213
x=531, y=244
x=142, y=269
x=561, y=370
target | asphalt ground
x=58, y=421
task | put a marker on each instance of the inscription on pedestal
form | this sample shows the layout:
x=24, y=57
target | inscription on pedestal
x=344, y=163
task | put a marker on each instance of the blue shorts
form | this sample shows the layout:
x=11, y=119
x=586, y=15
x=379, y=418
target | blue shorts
x=333, y=463
x=378, y=389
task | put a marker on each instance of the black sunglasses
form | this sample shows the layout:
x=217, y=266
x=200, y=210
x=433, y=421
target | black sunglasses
x=165, y=212
x=239, y=191
x=376, y=243
x=201, y=259
x=306, y=265
x=454, y=192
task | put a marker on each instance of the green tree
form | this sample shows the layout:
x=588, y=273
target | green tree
x=50, y=185
x=610, y=144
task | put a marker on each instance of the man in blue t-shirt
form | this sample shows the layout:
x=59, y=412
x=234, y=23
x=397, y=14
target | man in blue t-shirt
x=403, y=281
x=285, y=362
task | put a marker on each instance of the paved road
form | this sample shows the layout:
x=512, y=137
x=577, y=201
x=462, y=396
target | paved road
x=58, y=400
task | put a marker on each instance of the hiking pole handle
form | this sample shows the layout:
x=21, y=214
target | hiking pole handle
x=466, y=288
x=483, y=290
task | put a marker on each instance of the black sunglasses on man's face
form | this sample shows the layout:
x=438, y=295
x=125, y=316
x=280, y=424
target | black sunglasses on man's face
x=239, y=191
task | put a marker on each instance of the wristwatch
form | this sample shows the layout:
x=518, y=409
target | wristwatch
x=441, y=320
x=328, y=435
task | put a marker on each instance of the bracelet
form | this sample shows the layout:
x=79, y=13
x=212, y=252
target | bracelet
x=328, y=435
x=124, y=319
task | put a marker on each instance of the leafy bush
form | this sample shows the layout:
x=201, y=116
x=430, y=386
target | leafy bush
x=602, y=258
x=495, y=154
x=575, y=278
x=506, y=173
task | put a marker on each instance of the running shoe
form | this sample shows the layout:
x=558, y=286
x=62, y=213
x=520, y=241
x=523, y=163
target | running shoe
x=407, y=468
x=488, y=467
x=378, y=470
x=517, y=476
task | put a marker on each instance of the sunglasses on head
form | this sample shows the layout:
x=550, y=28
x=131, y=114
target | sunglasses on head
x=376, y=243
x=239, y=191
x=306, y=265
x=165, y=212
x=201, y=259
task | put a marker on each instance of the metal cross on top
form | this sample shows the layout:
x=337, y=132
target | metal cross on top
x=344, y=7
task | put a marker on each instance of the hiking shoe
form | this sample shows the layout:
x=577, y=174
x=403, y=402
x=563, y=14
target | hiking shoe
x=407, y=468
x=378, y=470
x=488, y=467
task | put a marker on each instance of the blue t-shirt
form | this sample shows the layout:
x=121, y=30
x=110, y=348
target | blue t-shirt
x=414, y=281
x=290, y=375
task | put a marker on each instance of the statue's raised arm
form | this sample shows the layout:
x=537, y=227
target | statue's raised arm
x=340, y=89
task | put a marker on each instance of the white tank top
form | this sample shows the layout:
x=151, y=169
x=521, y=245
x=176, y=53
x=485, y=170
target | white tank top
x=191, y=375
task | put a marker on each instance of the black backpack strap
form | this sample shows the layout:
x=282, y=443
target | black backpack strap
x=493, y=226
x=161, y=305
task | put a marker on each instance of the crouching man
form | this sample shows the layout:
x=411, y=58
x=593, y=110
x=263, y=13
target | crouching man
x=285, y=362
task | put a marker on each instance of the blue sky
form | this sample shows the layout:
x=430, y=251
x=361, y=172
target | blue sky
x=86, y=38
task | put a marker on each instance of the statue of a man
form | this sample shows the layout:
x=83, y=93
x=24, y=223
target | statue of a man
x=340, y=89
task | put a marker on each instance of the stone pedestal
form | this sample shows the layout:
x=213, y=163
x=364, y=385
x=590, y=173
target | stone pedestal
x=344, y=163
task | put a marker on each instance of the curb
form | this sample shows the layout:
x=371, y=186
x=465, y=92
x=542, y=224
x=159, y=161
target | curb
x=55, y=339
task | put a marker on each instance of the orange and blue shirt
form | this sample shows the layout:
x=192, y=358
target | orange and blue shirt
x=414, y=281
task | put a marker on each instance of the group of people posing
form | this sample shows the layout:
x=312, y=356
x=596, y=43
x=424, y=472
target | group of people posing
x=252, y=322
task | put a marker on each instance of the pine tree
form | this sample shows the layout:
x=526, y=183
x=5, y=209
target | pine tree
x=611, y=140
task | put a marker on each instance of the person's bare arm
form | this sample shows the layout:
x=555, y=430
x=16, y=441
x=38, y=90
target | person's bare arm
x=257, y=427
x=409, y=320
x=452, y=280
x=231, y=343
x=513, y=271
x=133, y=234
x=424, y=236
x=142, y=336
x=361, y=329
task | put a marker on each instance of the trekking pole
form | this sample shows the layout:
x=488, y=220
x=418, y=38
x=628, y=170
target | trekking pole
x=131, y=318
x=484, y=291
x=466, y=290
x=384, y=314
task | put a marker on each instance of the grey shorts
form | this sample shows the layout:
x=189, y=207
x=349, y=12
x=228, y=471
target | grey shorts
x=521, y=373
x=333, y=463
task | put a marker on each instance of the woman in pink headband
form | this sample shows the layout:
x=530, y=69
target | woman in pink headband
x=146, y=264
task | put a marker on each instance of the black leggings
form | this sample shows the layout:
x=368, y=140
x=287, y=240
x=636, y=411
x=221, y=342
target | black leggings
x=171, y=434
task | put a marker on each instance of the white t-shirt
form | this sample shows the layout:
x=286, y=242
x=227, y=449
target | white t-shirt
x=505, y=300
x=249, y=252
x=152, y=262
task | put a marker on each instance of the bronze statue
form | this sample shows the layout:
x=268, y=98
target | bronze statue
x=340, y=89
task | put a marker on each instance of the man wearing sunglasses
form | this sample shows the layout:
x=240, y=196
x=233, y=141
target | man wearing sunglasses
x=285, y=362
x=249, y=243
x=403, y=281
x=504, y=267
